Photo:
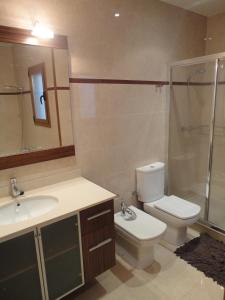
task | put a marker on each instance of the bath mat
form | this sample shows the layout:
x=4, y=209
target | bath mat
x=207, y=255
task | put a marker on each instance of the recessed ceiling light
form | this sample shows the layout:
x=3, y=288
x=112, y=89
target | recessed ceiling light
x=117, y=14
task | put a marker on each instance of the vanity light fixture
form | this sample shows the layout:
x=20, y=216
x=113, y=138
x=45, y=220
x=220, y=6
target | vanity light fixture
x=42, y=31
x=116, y=15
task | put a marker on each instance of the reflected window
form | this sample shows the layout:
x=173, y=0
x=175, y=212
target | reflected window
x=39, y=96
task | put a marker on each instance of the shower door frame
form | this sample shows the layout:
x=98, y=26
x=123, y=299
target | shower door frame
x=215, y=58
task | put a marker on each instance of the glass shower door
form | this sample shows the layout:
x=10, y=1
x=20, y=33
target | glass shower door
x=191, y=104
x=217, y=182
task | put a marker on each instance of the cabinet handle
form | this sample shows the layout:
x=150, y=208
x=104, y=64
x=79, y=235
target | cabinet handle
x=99, y=215
x=100, y=245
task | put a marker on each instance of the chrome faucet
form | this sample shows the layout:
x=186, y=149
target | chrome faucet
x=127, y=212
x=15, y=191
x=123, y=208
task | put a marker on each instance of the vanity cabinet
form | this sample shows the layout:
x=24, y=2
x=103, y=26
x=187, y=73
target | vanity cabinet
x=47, y=262
x=43, y=264
x=19, y=269
x=61, y=257
x=98, y=239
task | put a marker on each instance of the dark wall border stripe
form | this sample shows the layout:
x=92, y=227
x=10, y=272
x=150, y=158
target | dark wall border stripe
x=15, y=93
x=117, y=81
x=10, y=94
x=185, y=83
x=141, y=82
x=58, y=88
x=197, y=83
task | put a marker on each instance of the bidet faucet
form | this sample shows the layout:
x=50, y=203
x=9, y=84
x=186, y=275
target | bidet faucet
x=15, y=191
x=127, y=211
x=123, y=207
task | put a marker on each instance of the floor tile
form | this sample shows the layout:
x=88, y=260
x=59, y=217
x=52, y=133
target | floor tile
x=168, y=278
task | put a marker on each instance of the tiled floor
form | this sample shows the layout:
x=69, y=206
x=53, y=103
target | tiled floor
x=169, y=278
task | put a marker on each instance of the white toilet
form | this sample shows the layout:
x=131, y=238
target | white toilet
x=135, y=238
x=177, y=213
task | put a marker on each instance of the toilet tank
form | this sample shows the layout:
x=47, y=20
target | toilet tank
x=150, y=182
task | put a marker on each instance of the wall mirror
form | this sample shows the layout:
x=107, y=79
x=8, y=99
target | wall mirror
x=35, y=107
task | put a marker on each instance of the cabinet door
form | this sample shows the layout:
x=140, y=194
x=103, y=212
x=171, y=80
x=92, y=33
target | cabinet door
x=98, y=251
x=60, y=248
x=19, y=272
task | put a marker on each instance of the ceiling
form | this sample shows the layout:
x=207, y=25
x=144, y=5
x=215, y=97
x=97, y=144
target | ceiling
x=206, y=8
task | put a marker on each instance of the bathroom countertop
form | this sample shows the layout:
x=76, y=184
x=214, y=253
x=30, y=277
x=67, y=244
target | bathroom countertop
x=73, y=195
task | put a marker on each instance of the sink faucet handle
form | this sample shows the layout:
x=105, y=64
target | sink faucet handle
x=15, y=191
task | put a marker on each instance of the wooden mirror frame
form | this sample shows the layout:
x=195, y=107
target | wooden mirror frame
x=25, y=37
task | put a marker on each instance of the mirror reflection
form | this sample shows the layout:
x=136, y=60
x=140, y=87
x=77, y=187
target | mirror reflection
x=34, y=99
x=39, y=95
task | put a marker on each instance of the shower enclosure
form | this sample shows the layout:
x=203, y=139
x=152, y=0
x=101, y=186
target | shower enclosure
x=197, y=135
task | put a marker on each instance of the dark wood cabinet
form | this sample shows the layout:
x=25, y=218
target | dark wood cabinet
x=98, y=239
x=19, y=271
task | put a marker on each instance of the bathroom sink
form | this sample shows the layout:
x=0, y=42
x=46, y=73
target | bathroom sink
x=27, y=209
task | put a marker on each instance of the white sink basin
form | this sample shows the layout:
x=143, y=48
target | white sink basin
x=29, y=208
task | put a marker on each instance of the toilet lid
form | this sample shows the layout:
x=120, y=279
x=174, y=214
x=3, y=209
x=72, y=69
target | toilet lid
x=144, y=227
x=178, y=207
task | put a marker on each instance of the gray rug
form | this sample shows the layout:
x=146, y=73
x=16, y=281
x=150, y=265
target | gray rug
x=207, y=255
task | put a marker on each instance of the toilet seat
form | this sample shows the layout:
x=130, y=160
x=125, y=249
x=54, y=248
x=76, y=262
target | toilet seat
x=144, y=227
x=177, y=207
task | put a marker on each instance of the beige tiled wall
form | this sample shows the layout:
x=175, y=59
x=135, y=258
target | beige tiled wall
x=215, y=31
x=117, y=127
